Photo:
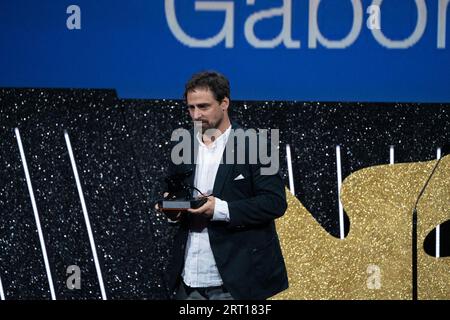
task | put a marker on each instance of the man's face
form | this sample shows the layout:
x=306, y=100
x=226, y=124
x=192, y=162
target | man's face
x=203, y=107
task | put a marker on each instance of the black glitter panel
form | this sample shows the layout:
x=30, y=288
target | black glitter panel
x=150, y=124
x=41, y=120
x=121, y=149
x=21, y=264
x=113, y=194
x=115, y=199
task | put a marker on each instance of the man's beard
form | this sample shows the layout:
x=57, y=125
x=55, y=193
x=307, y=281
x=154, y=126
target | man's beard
x=209, y=125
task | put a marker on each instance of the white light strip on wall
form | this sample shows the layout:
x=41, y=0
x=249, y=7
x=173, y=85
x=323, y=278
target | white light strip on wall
x=438, y=241
x=290, y=173
x=36, y=214
x=339, y=181
x=2, y=293
x=438, y=228
x=86, y=216
x=391, y=155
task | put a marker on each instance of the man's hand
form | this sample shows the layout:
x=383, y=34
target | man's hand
x=172, y=215
x=207, y=209
x=157, y=206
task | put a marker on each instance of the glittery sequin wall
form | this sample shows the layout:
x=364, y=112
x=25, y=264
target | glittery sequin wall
x=120, y=148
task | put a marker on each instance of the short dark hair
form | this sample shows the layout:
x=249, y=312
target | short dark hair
x=212, y=80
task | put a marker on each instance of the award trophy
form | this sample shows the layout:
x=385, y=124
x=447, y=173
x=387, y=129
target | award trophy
x=180, y=195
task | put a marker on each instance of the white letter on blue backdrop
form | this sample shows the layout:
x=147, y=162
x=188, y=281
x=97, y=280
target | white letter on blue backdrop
x=315, y=34
x=226, y=33
x=442, y=23
x=373, y=21
x=74, y=20
x=285, y=34
x=408, y=42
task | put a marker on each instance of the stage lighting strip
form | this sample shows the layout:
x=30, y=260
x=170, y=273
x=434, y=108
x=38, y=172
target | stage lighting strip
x=290, y=173
x=438, y=227
x=86, y=216
x=36, y=214
x=2, y=293
x=391, y=155
x=339, y=182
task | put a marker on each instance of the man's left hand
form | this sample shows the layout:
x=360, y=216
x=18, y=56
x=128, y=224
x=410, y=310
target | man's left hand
x=207, y=209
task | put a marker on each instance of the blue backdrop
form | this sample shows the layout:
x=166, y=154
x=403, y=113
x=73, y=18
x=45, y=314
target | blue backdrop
x=148, y=49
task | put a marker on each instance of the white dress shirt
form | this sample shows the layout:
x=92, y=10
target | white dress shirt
x=200, y=268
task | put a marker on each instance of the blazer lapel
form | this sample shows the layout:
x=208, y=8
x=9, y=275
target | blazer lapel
x=221, y=176
x=192, y=165
x=224, y=169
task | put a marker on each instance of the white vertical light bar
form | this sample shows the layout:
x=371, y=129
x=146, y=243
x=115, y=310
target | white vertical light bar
x=36, y=214
x=438, y=228
x=438, y=241
x=2, y=293
x=391, y=155
x=86, y=216
x=290, y=173
x=339, y=181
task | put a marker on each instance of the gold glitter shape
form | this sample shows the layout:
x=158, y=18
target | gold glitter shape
x=374, y=260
